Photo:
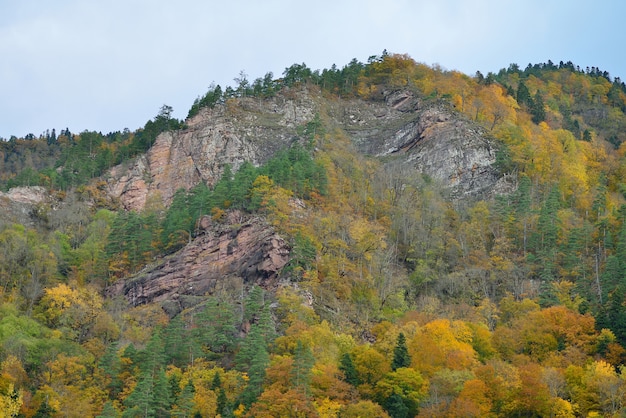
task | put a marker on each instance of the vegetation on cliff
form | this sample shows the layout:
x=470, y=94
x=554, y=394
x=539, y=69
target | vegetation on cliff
x=396, y=302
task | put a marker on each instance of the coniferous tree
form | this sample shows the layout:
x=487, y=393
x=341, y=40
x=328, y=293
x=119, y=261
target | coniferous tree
x=140, y=402
x=401, y=356
x=45, y=411
x=396, y=407
x=216, y=327
x=523, y=95
x=162, y=397
x=108, y=411
x=259, y=361
x=111, y=365
x=538, y=109
x=180, y=349
x=184, y=402
x=346, y=365
x=303, y=361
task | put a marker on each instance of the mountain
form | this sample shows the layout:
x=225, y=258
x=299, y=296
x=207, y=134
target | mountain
x=384, y=239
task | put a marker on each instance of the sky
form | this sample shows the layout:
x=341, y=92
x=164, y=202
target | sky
x=107, y=65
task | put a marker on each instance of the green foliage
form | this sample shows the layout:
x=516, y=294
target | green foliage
x=217, y=327
x=303, y=361
x=401, y=356
x=347, y=368
x=377, y=252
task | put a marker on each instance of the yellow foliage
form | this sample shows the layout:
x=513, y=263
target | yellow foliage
x=10, y=401
x=327, y=408
x=441, y=343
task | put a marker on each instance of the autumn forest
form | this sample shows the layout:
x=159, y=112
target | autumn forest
x=398, y=299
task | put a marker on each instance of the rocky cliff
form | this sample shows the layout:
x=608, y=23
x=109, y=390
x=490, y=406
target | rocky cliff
x=20, y=204
x=240, y=130
x=240, y=251
x=429, y=136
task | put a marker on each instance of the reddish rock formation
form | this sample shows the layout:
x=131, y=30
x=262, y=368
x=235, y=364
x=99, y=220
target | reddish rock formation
x=249, y=252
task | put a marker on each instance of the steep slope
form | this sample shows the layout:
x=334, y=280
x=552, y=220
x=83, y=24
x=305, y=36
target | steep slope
x=239, y=251
x=240, y=130
x=427, y=135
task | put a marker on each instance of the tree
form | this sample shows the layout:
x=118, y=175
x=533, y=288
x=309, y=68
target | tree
x=401, y=392
x=216, y=327
x=303, y=361
x=10, y=401
x=523, y=95
x=401, y=357
x=537, y=108
x=141, y=400
x=346, y=366
x=108, y=411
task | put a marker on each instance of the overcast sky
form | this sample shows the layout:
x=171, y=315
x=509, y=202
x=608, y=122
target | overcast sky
x=106, y=65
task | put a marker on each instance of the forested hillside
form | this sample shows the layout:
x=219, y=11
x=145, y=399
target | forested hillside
x=397, y=300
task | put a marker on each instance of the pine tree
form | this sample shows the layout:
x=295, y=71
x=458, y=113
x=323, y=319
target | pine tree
x=184, y=402
x=523, y=95
x=162, y=398
x=256, y=375
x=45, y=411
x=401, y=356
x=111, y=365
x=216, y=327
x=140, y=402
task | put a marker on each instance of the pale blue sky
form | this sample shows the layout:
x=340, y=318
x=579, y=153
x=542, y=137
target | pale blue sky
x=106, y=65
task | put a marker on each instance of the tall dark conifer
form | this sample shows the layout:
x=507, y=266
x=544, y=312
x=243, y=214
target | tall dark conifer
x=401, y=356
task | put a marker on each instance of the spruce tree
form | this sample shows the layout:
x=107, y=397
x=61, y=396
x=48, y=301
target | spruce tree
x=401, y=356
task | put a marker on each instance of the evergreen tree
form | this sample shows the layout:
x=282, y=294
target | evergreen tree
x=538, y=109
x=523, y=95
x=216, y=327
x=178, y=224
x=153, y=357
x=140, y=402
x=162, y=397
x=401, y=357
x=184, y=402
x=256, y=374
x=111, y=365
x=221, y=196
x=346, y=366
x=180, y=348
x=253, y=304
x=45, y=411
x=396, y=407
x=303, y=361
x=108, y=411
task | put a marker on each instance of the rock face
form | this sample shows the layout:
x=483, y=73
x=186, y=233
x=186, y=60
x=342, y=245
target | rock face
x=426, y=136
x=433, y=139
x=243, y=130
x=19, y=204
x=242, y=251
